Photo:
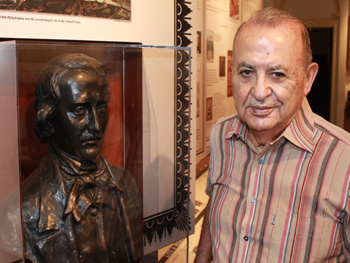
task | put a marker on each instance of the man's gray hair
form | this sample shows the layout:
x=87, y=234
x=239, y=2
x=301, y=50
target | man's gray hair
x=272, y=17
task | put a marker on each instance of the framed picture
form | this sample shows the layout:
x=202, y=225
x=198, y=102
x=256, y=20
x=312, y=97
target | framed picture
x=118, y=9
x=209, y=109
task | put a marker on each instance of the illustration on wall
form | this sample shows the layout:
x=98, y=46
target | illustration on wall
x=222, y=66
x=229, y=73
x=234, y=9
x=210, y=46
x=199, y=42
x=209, y=108
x=113, y=9
x=198, y=99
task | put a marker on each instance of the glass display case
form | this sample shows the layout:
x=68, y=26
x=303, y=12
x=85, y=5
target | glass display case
x=148, y=131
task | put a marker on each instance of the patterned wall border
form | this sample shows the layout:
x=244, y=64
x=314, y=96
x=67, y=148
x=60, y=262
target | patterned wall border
x=161, y=225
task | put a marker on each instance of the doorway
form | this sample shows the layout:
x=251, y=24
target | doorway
x=320, y=94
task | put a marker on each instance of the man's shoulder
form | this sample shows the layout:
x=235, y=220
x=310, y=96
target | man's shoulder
x=332, y=130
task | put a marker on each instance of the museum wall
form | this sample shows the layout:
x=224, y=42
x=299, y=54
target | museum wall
x=217, y=22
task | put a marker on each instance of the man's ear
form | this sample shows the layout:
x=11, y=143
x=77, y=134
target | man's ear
x=311, y=73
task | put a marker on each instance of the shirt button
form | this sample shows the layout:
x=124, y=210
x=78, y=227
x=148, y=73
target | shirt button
x=253, y=200
x=246, y=238
x=260, y=161
x=94, y=211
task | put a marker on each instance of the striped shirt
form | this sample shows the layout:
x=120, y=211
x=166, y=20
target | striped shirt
x=288, y=203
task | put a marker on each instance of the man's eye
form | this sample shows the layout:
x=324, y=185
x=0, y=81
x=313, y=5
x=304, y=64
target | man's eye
x=278, y=75
x=245, y=73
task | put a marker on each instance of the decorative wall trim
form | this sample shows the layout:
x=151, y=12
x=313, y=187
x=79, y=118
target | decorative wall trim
x=161, y=225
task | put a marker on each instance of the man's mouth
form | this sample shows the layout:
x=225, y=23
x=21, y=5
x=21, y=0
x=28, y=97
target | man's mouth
x=261, y=111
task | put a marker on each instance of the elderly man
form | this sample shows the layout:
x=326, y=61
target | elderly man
x=279, y=174
x=76, y=206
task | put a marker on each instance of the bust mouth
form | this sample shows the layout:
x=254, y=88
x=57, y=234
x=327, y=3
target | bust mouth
x=91, y=139
x=91, y=142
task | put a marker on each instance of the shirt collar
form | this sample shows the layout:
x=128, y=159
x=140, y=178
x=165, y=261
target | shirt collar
x=300, y=131
x=72, y=166
x=238, y=128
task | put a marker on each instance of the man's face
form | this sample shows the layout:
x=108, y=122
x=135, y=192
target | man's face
x=269, y=78
x=81, y=114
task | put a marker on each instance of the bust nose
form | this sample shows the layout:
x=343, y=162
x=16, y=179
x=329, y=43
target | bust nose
x=94, y=120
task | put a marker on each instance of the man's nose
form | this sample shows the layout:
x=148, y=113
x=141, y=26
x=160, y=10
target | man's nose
x=94, y=120
x=261, y=89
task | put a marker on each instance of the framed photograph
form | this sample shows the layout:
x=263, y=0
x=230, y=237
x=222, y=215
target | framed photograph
x=209, y=109
x=229, y=73
x=222, y=66
x=210, y=46
x=118, y=9
x=199, y=42
x=234, y=9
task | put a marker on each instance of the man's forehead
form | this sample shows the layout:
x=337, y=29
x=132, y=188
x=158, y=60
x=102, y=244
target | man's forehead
x=288, y=31
x=281, y=26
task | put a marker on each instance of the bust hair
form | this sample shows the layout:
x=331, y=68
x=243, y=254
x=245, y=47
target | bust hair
x=48, y=87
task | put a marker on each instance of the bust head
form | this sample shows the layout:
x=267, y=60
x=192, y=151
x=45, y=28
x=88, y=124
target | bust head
x=72, y=105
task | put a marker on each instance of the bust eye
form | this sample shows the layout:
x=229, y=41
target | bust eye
x=102, y=108
x=79, y=111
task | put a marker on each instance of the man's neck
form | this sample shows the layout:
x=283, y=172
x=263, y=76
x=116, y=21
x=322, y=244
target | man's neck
x=260, y=139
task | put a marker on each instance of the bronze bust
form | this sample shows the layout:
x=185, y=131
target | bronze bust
x=76, y=206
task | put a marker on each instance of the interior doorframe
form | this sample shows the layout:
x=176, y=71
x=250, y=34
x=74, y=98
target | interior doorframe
x=333, y=24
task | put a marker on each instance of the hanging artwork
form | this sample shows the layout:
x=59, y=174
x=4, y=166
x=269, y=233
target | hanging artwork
x=118, y=9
